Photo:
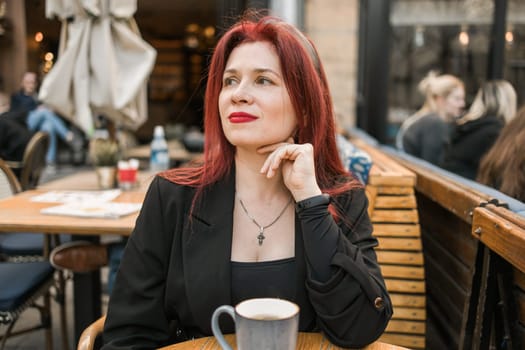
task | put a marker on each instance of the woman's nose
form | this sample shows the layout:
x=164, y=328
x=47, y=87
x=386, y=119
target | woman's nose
x=241, y=94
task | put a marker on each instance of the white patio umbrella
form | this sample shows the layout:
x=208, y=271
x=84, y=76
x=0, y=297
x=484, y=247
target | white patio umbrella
x=103, y=63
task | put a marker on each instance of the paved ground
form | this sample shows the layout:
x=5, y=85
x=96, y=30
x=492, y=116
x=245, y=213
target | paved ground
x=35, y=340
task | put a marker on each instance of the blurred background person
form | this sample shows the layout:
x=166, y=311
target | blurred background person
x=503, y=167
x=37, y=117
x=14, y=137
x=426, y=133
x=475, y=132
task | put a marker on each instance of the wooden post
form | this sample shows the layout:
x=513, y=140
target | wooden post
x=13, y=47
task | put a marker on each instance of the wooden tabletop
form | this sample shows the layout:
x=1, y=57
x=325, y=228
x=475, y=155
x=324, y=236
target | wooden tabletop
x=305, y=341
x=20, y=214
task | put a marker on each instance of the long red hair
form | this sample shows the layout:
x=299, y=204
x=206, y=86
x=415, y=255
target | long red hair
x=308, y=88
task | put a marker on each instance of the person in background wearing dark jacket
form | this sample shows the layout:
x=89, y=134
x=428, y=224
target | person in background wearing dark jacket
x=14, y=137
x=503, y=167
x=474, y=133
x=269, y=212
x=426, y=133
x=40, y=118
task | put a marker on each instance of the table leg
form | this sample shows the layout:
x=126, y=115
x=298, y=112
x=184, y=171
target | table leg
x=87, y=296
x=87, y=293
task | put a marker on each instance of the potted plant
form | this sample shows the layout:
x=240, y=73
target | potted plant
x=105, y=154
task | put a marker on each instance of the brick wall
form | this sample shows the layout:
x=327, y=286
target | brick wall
x=333, y=26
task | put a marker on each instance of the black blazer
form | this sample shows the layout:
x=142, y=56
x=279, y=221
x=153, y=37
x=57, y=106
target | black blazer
x=175, y=272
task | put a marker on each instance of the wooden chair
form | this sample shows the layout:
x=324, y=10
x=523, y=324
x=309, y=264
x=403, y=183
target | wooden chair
x=9, y=184
x=25, y=280
x=89, y=335
x=33, y=161
x=21, y=246
x=23, y=284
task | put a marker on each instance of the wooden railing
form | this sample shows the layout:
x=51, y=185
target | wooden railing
x=474, y=260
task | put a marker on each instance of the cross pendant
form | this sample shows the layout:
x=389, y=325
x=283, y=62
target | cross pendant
x=261, y=237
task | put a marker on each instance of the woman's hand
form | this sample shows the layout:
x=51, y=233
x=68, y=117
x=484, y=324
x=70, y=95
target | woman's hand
x=297, y=167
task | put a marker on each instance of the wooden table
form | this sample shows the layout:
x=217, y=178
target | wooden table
x=20, y=214
x=305, y=341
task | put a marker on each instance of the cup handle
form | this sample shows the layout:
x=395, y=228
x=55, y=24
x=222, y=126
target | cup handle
x=215, y=325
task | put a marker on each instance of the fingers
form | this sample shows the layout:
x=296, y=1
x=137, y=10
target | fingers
x=285, y=152
x=274, y=160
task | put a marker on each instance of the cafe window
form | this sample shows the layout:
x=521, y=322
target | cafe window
x=448, y=37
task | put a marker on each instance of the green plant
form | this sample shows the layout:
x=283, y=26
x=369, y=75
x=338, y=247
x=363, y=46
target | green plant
x=104, y=152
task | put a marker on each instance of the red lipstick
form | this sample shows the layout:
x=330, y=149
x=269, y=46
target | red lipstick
x=241, y=117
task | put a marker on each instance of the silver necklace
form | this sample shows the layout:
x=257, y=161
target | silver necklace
x=261, y=236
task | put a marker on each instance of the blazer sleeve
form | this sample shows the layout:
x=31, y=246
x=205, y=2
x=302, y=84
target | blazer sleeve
x=136, y=318
x=353, y=305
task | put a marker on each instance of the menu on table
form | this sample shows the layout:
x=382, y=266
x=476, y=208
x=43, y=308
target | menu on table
x=89, y=204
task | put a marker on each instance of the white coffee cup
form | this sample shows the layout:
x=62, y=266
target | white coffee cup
x=262, y=323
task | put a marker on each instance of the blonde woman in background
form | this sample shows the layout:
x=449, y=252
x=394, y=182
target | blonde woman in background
x=474, y=134
x=426, y=133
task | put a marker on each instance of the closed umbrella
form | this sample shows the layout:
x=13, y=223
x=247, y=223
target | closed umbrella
x=103, y=63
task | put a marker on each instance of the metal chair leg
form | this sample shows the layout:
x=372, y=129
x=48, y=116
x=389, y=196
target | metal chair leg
x=7, y=333
x=49, y=329
x=63, y=313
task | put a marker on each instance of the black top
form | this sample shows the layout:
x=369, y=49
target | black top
x=176, y=270
x=23, y=102
x=469, y=142
x=19, y=116
x=13, y=139
x=427, y=137
x=269, y=279
x=264, y=279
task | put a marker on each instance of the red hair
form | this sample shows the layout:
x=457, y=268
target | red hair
x=308, y=89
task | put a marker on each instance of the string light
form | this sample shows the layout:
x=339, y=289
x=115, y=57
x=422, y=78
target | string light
x=509, y=36
x=463, y=36
x=39, y=37
x=209, y=32
x=48, y=61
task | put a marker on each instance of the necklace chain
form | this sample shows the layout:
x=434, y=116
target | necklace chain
x=261, y=236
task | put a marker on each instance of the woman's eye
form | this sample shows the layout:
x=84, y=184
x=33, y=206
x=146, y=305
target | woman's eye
x=264, y=81
x=228, y=81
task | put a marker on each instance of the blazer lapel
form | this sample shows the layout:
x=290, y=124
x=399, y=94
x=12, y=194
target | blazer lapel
x=207, y=252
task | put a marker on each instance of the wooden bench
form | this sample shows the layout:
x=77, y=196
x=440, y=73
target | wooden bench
x=394, y=215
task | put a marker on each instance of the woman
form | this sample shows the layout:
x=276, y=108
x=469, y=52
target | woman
x=269, y=213
x=426, y=133
x=503, y=167
x=474, y=133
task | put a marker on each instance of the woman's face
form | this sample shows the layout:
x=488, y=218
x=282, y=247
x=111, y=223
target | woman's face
x=254, y=104
x=454, y=103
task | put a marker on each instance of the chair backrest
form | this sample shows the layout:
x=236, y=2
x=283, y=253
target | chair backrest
x=9, y=184
x=34, y=160
x=89, y=335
